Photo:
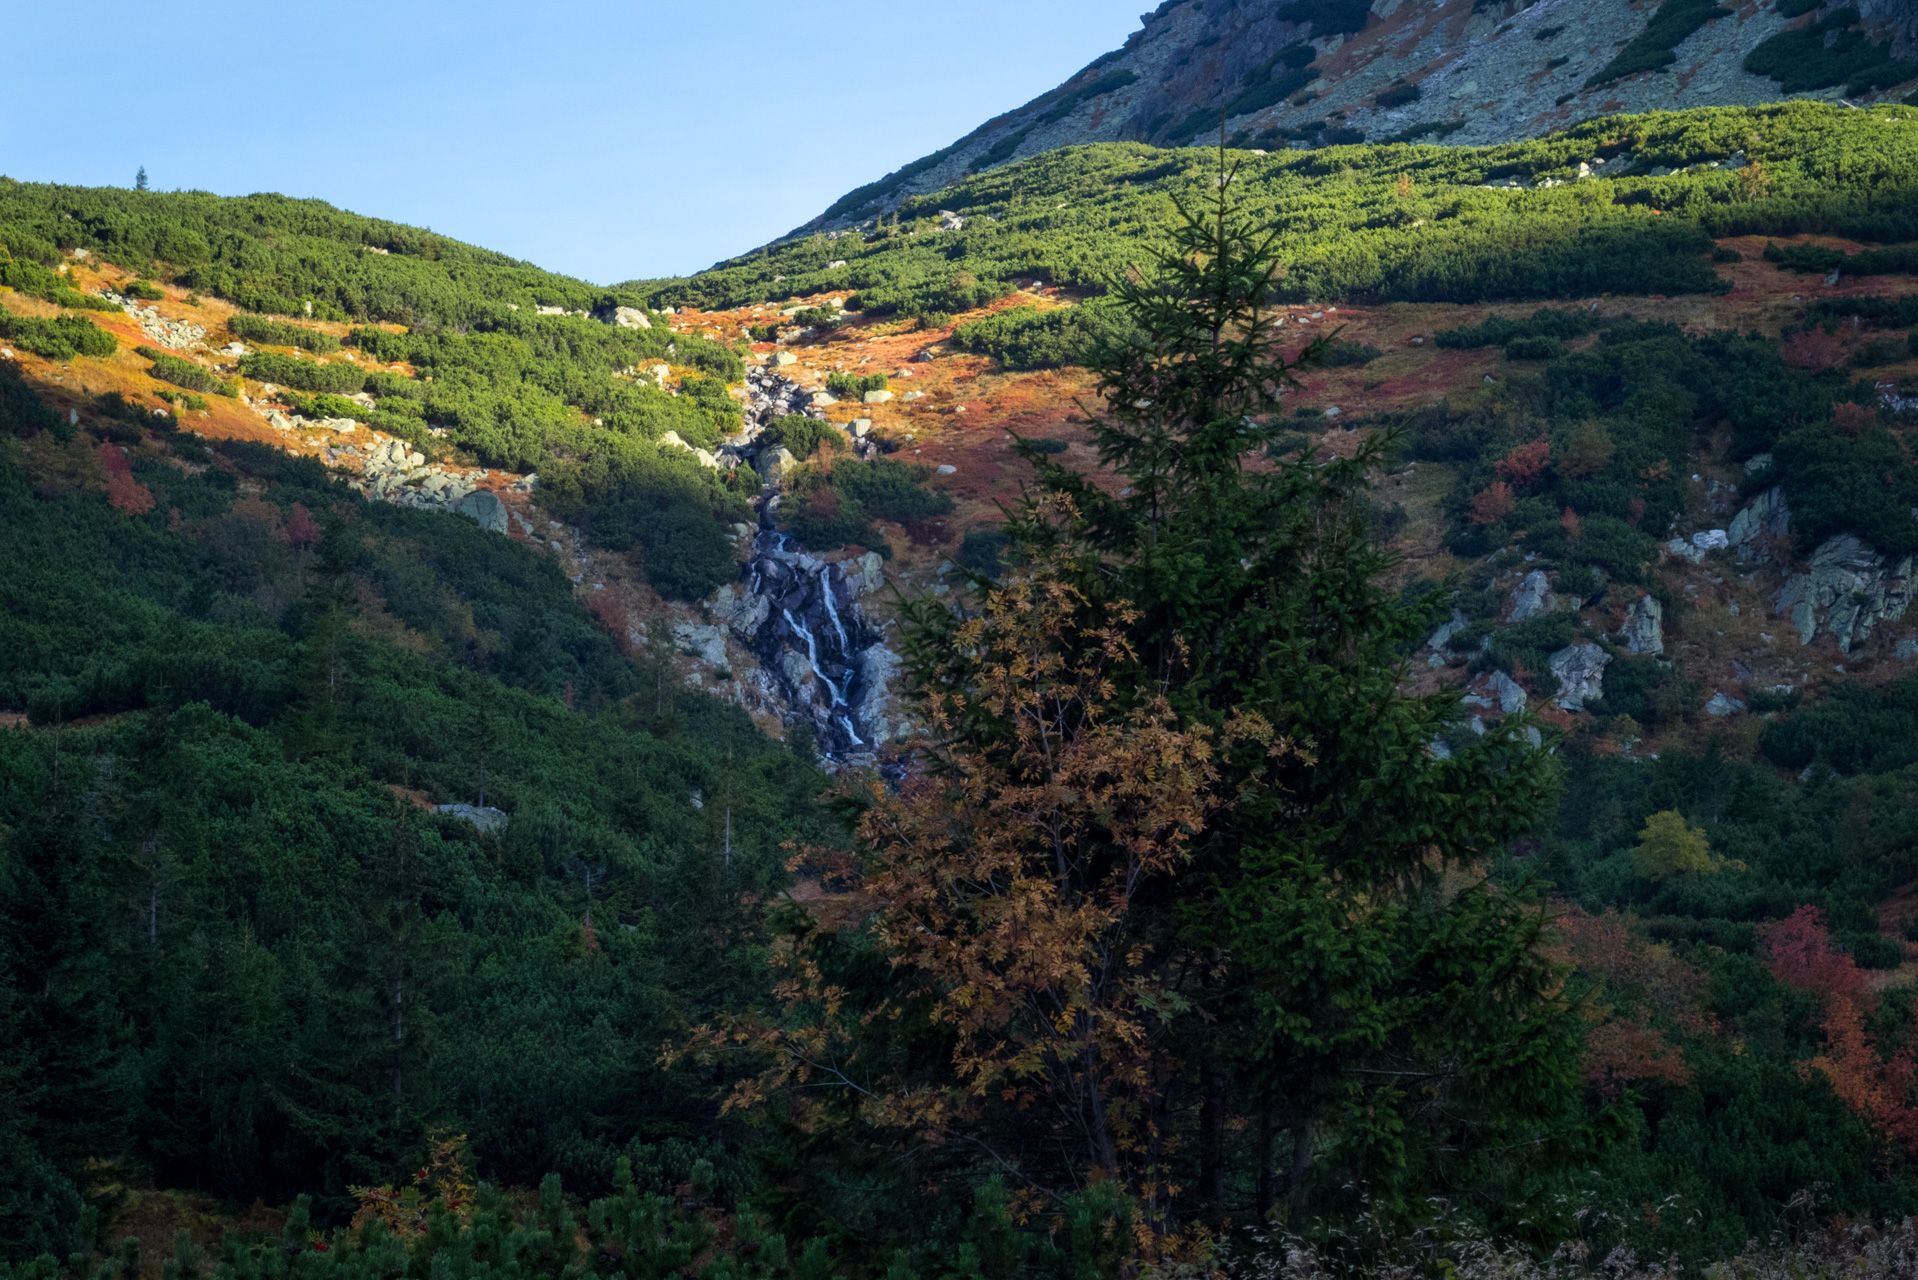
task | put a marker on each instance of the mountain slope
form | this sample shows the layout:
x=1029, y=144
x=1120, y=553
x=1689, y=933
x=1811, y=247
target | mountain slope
x=1313, y=72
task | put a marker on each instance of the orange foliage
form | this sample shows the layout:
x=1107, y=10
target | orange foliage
x=1852, y=419
x=123, y=491
x=443, y=1181
x=1568, y=521
x=1493, y=503
x=1525, y=463
x=1799, y=951
x=1005, y=882
x=1622, y=1050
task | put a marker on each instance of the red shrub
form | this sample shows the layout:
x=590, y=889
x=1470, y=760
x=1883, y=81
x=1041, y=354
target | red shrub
x=1852, y=419
x=1799, y=952
x=301, y=530
x=1495, y=502
x=1814, y=351
x=123, y=491
x=1526, y=463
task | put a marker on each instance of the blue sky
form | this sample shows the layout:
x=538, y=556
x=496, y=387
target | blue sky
x=604, y=140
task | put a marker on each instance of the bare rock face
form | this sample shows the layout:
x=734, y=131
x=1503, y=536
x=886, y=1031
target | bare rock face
x=1423, y=70
x=1580, y=669
x=1846, y=592
x=1756, y=529
x=1533, y=597
x=1644, y=631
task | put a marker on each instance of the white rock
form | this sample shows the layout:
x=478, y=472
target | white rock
x=860, y=426
x=946, y=469
x=878, y=397
x=631, y=318
x=1720, y=705
x=1711, y=540
x=783, y=359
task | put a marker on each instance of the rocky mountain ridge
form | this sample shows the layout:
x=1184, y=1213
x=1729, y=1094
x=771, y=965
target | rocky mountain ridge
x=1308, y=73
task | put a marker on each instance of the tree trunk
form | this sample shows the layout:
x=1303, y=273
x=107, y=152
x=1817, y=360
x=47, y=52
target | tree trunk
x=1212, y=1141
x=1268, y=1189
x=1296, y=1198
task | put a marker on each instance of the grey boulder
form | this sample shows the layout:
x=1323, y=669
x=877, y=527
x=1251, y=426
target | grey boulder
x=1580, y=670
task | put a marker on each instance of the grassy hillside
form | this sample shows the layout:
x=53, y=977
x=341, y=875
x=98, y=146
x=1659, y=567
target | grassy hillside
x=1385, y=222
x=484, y=373
x=239, y=954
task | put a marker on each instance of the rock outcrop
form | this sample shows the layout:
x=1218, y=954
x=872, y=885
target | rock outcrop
x=1580, y=670
x=1846, y=592
x=1761, y=525
x=1644, y=631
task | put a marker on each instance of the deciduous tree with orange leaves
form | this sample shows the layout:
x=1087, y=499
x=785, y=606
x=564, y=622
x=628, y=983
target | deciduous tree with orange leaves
x=1179, y=903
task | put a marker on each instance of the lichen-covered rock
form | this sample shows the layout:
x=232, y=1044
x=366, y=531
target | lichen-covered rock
x=1720, y=705
x=1767, y=519
x=1533, y=597
x=1852, y=586
x=775, y=464
x=483, y=507
x=1580, y=669
x=1644, y=630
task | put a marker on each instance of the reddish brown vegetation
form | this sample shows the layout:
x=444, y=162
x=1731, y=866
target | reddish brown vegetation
x=1493, y=503
x=1875, y=1085
x=123, y=491
x=301, y=531
x=1814, y=351
x=1852, y=419
x=1526, y=463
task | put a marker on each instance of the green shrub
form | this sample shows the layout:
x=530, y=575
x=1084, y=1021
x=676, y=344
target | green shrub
x=1538, y=347
x=855, y=385
x=1853, y=729
x=984, y=550
x=326, y=406
x=22, y=411
x=829, y=510
x=1838, y=483
x=802, y=436
x=184, y=373
x=1653, y=47
x=145, y=291
x=1028, y=338
x=1502, y=332
x=303, y=375
x=61, y=338
x=274, y=333
x=183, y=399
x=1830, y=52
x=1350, y=353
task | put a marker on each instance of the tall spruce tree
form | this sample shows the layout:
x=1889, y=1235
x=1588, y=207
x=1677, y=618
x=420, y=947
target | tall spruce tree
x=1185, y=899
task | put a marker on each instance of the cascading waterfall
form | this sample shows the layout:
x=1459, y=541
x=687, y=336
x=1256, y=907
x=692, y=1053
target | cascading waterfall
x=815, y=643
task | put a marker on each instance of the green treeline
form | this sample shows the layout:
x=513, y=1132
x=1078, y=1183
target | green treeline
x=1080, y=215
x=261, y=329
x=512, y=388
x=234, y=956
x=60, y=338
